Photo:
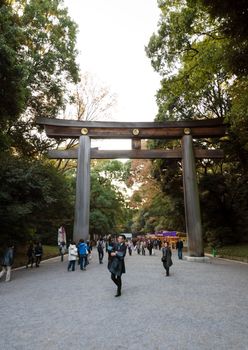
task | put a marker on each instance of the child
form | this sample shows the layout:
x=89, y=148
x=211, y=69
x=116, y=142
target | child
x=72, y=256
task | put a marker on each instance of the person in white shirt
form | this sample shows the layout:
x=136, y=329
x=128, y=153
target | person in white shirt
x=72, y=256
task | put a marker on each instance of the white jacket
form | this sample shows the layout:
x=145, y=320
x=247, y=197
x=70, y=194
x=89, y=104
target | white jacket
x=72, y=252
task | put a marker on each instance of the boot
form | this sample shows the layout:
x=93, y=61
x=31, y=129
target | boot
x=118, y=293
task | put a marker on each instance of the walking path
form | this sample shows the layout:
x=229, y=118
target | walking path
x=201, y=306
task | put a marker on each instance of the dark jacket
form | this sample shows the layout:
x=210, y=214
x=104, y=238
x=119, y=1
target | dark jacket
x=8, y=257
x=167, y=261
x=179, y=245
x=38, y=250
x=117, y=264
x=30, y=252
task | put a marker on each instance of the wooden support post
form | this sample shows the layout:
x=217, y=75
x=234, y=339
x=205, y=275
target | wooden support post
x=191, y=200
x=136, y=143
x=82, y=206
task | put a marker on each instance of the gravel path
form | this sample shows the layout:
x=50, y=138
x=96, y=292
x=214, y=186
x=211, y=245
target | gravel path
x=201, y=306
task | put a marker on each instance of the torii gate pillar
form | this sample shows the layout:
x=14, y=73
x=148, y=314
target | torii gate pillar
x=82, y=206
x=191, y=200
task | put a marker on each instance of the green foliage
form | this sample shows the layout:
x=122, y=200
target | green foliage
x=109, y=212
x=13, y=71
x=34, y=198
x=200, y=51
x=114, y=169
x=162, y=213
x=38, y=61
x=235, y=252
x=232, y=17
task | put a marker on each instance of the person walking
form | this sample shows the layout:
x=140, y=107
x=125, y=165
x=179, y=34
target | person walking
x=179, y=247
x=150, y=247
x=130, y=247
x=30, y=255
x=72, y=256
x=89, y=248
x=82, y=252
x=117, y=264
x=100, y=249
x=38, y=252
x=143, y=247
x=7, y=262
x=62, y=250
x=166, y=258
x=159, y=244
x=138, y=246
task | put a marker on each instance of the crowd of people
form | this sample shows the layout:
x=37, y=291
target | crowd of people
x=81, y=253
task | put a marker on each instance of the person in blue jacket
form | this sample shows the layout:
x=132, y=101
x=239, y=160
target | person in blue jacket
x=82, y=253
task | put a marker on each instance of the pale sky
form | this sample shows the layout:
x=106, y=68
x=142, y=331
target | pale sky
x=111, y=40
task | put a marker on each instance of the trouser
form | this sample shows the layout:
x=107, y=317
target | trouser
x=130, y=250
x=7, y=270
x=71, y=265
x=37, y=260
x=143, y=251
x=100, y=254
x=180, y=254
x=62, y=256
x=30, y=261
x=82, y=261
x=117, y=281
x=150, y=251
x=167, y=268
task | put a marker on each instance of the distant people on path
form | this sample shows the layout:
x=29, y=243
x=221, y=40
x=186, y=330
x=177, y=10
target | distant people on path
x=117, y=263
x=30, y=255
x=38, y=252
x=89, y=247
x=143, y=248
x=7, y=262
x=100, y=248
x=159, y=244
x=72, y=256
x=179, y=247
x=62, y=250
x=150, y=247
x=130, y=247
x=166, y=258
x=138, y=247
x=82, y=253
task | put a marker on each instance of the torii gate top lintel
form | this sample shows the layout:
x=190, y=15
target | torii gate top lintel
x=58, y=128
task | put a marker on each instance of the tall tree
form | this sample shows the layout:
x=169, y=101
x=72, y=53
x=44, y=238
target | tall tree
x=193, y=51
x=90, y=101
x=39, y=39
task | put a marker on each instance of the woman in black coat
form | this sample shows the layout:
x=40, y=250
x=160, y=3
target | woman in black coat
x=166, y=258
x=116, y=262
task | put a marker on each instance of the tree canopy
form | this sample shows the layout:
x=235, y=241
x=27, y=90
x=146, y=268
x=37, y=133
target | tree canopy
x=37, y=59
x=200, y=53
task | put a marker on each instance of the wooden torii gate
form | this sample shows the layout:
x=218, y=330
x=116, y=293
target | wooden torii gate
x=184, y=130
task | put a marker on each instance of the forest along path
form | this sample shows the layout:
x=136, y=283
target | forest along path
x=201, y=306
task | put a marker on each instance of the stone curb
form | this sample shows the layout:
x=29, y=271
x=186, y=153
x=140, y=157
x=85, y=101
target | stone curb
x=225, y=259
x=43, y=261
